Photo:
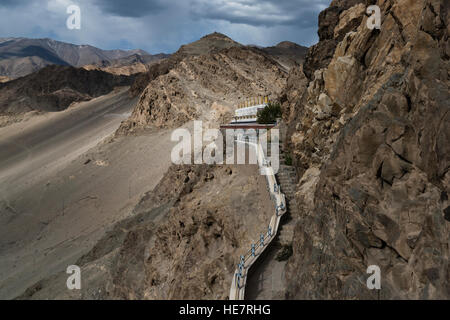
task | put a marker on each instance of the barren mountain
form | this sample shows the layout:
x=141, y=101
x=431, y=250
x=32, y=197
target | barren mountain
x=22, y=56
x=203, y=80
x=368, y=122
x=54, y=88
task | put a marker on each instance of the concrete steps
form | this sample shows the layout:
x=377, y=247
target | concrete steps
x=287, y=178
x=286, y=233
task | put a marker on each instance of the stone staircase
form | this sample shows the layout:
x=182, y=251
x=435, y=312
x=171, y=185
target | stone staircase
x=238, y=285
x=287, y=178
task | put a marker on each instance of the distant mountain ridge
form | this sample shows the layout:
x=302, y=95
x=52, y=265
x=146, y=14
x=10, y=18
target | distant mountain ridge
x=133, y=64
x=55, y=88
x=22, y=56
x=287, y=53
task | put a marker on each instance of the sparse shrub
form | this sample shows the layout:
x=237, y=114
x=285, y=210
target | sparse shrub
x=284, y=253
x=288, y=159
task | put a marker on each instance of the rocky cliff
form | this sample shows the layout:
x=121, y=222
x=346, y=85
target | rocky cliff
x=368, y=116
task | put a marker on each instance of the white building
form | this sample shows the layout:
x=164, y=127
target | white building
x=247, y=112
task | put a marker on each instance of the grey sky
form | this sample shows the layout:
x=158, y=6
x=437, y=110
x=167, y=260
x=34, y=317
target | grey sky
x=163, y=25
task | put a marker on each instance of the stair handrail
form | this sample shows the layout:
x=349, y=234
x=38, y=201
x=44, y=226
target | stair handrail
x=237, y=290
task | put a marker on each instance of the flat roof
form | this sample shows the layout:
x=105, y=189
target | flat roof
x=248, y=125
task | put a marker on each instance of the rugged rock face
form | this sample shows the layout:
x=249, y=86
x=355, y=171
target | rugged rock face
x=331, y=31
x=182, y=241
x=204, y=80
x=368, y=122
x=54, y=88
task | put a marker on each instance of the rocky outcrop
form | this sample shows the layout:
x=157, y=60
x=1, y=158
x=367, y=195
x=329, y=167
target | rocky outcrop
x=367, y=119
x=54, y=88
x=330, y=19
x=214, y=224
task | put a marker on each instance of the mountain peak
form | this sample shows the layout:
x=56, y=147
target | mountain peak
x=216, y=35
x=208, y=43
x=287, y=45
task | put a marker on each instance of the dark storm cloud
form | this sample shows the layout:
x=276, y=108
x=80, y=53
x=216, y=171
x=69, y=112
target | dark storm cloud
x=268, y=13
x=134, y=9
x=12, y=3
x=163, y=25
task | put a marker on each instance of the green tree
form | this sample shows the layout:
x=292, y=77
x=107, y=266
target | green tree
x=269, y=114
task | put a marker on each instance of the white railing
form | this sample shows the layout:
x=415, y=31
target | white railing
x=237, y=290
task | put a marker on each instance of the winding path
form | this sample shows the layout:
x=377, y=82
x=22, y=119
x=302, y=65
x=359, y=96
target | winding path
x=237, y=290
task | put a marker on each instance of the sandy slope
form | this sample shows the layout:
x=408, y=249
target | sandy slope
x=62, y=182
